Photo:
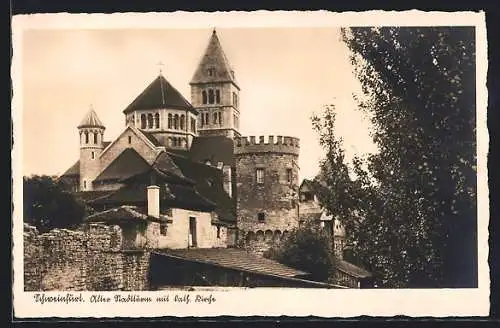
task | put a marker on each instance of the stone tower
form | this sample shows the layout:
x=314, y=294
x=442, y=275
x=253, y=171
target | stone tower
x=215, y=93
x=91, y=132
x=267, y=183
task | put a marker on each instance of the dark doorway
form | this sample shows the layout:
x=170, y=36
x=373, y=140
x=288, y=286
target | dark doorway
x=192, y=232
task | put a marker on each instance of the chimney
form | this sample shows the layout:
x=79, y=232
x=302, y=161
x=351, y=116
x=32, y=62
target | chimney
x=154, y=201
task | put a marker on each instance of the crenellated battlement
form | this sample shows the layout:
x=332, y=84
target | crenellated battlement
x=270, y=144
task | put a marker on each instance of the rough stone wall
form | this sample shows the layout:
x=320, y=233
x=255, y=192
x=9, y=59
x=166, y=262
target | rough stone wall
x=89, y=259
x=276, y=197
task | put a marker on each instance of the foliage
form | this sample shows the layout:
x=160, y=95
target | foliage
x=306, y=248
x=48, y=206
x=416, y=202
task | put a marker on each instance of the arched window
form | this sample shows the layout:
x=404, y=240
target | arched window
x=217, y=96
x=250, y=236
x=143, y=121
x=176, y=121
x=215, y=118
x=204, y=96
x=206, y=119
x=95, y=137
x=211, y=96
x=169, y=121
x=219, y=114
x=182, y=122
x=150, y=121
x=235, y=100
x=157, y=120
x=86, y=137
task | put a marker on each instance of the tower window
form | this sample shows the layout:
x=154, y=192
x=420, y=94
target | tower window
x=143, y=121
x=261, y=217
x=211, y=71
x=150, y=121
x=202, y=119
x=289, y=175
x=215, y=118
x=169, y=121
x=84, y=184
x=176, y=121
x=260, y=175
x=157, y=120
x=206, y=119
x=86, y=137
x=235, y=99
x=219, y=114
x=182, y=122
x=95, y=137
x=129, y=140
x=211, y=96
x=217, y=96
x=92, y=155
x=204, y=96
x=218, y=232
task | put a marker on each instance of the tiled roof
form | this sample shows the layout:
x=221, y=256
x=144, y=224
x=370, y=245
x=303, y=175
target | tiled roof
x=91, y=120
x=352, y=269
x=160, y=94
x=125, y=165
x=214, y=58
x=122, y=214
x=233, y=258
x=150, y=137
x=73, y=170
x=164, y=163
x=209, y=183
x=213, y=148
x=91, y=195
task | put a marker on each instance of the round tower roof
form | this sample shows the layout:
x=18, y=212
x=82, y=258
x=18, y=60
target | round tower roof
x=91, y=120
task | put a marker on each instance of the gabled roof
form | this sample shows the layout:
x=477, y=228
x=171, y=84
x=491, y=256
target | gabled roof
x=125, y=165
x=232, y=258
x=209, y=183
x=213, y=148
x=91, y=120
x=74, y=170
x=160, y=94
x=122, y=214
x=214, y=58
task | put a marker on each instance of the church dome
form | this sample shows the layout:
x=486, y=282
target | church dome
x=91, y=121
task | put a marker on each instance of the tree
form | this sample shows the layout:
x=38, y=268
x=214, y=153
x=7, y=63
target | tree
x=306, y=248
x=48, y=206
x=417, y=199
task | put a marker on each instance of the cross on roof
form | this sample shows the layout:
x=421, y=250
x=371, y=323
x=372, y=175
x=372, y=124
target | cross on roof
x=161, y=66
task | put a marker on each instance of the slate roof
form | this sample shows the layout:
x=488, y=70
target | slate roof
x=352, y=269
x=160, y=94
x=125, y=165
x=214, y=58
x=203, y=175
x=91, y=120
x=233, y=258
x=214, y=148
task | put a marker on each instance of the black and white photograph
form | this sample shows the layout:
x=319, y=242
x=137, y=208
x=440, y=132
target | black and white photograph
x=164, y=163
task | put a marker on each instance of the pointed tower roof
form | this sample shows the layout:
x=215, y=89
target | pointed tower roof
x=159, y=94
x=91, y=120
x=214, y=58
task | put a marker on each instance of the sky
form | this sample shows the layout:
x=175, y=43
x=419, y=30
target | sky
x=285, y=75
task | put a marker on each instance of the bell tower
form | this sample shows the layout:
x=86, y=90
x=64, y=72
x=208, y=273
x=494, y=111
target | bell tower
x=91, y=132
x=215, y=93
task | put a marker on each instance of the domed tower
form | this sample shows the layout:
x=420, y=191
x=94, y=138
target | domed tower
x=267, y=183
x=91, y=132
x=215, y=93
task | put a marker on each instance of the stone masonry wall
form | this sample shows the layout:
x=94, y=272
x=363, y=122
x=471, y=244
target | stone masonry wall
x=266, y=209
x=88, y=259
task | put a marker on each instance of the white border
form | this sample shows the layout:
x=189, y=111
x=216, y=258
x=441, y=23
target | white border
x=265, y=301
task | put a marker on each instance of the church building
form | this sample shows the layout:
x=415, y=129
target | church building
x=186, y=165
